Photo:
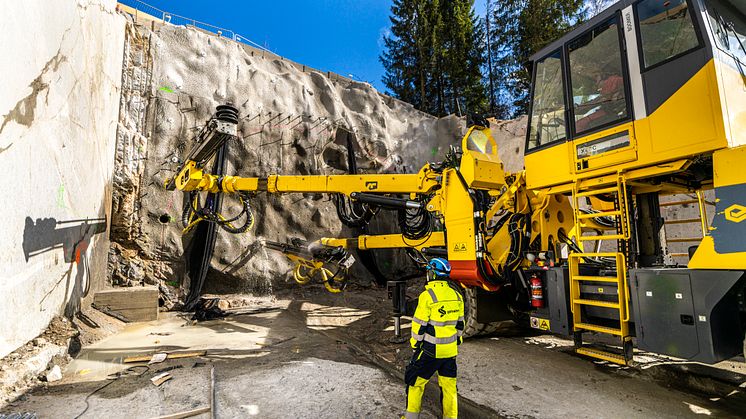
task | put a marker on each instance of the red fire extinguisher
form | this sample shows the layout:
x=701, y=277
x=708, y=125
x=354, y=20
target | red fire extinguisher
x=537, y=292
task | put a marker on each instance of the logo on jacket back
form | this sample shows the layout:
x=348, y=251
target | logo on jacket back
x=442, y=311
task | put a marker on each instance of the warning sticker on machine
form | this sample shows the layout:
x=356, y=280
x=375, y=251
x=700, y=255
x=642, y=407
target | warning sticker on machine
x=348, y=261
x=541, y=324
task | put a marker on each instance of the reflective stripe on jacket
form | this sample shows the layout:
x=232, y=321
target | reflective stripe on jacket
x=438, y=322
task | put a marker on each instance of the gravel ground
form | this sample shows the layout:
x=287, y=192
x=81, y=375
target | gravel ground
x=326, y=356
x=522, y=373
x=273, y=364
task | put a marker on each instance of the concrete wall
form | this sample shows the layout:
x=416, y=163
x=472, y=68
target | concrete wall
x=61, y=72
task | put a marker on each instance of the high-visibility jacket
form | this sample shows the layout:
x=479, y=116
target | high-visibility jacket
x=438, y=322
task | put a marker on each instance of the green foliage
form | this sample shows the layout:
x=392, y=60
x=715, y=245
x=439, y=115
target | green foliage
x=434, y=55
x=518, y=29
x=436, y=52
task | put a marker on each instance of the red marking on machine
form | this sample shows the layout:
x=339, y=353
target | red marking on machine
x=466, y=272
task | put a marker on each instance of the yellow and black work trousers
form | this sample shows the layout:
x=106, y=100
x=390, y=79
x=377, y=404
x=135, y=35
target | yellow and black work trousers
x=418, y=374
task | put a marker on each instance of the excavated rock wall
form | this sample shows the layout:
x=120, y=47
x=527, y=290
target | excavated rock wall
x=294, y=120
x=511, y=140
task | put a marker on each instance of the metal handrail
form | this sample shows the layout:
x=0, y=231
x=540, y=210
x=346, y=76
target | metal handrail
x=174, y=19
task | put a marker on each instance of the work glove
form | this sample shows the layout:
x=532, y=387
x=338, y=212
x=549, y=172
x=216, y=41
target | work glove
x=415, y=354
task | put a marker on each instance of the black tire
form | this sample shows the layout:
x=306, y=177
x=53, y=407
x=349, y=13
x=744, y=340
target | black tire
x=472, y=326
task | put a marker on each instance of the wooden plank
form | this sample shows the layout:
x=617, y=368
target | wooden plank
x=129, y=315
x=212, y=392
x=141, y=314
x=138, y=301
x=133, y=303
x=160, y=379
x=172, y=355
x=128, y=290
x=186, y=414
x=119, y=306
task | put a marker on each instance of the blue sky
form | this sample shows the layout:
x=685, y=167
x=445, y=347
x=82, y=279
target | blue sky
x=344, y=36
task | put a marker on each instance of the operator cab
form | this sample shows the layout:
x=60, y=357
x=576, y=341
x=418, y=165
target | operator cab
x=642, y=83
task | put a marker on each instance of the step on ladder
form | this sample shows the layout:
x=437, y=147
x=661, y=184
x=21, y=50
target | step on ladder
x=622, y=235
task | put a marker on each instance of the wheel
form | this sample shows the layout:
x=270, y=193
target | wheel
x=472, y=326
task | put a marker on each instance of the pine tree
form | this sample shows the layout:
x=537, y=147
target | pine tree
x=434, y=56
x=504, y=40
x=520, y=28
x=464, y=57
x=401, y=55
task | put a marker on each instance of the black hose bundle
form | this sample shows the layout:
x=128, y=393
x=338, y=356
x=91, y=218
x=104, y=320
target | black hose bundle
x=195, y=212
x=518, y=230
x=415, y=223
x=483, y=200
x=417, y=257
x=492, y=230
x=518, y=225
x=598, y=262
x=227, y=113
x=351, y=213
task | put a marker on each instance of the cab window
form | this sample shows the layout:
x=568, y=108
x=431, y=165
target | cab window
x=597, y=78
x=728, y=22
x=666, y=30
x=548, y=103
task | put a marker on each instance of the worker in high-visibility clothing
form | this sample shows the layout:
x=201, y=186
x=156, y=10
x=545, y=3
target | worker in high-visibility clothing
x=437, y=330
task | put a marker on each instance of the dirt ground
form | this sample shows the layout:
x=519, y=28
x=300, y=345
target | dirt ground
x=308, y=353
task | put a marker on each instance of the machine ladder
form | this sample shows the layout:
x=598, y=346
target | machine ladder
x=580, y=280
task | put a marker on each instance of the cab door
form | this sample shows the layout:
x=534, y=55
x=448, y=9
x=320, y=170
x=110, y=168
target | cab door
x=547, y=161
x=601, y=114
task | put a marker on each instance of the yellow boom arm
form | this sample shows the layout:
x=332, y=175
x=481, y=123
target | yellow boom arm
x=386, y=241
x=193, y=178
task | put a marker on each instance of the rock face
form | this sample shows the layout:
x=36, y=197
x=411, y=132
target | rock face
x=511, y=140
x=293, y=120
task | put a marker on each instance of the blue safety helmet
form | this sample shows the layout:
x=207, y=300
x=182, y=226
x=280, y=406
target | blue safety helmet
x=439, y=266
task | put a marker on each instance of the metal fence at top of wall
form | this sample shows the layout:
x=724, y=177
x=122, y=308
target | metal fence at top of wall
x=174, y=19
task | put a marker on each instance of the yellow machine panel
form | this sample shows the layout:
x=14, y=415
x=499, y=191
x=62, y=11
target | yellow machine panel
x=732, y=82
x=481, y=166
